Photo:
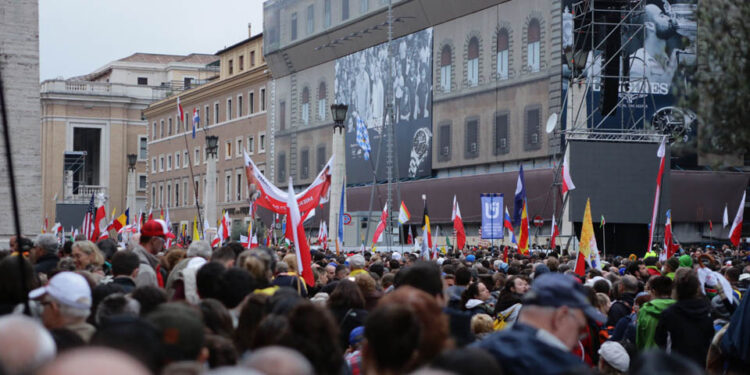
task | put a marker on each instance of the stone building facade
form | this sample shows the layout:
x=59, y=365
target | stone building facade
x=495, y=80
x=232, y=107
x=90, y=123
x=19, y=48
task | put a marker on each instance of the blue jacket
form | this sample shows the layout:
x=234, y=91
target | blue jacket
x=519, y=351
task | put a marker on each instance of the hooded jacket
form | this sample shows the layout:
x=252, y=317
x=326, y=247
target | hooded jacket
x=648, y=318
x=686, y=328
x=620, y=308
x=519, y=350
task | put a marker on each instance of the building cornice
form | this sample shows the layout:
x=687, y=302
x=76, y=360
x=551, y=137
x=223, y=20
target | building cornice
x=200, y=93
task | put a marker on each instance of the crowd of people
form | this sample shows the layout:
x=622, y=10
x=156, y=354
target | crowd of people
x=86, y=308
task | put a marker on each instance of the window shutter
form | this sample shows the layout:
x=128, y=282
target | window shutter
x=445, y=56
x=473, y=48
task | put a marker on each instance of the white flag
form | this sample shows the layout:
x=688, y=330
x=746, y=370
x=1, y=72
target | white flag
x=726, y=217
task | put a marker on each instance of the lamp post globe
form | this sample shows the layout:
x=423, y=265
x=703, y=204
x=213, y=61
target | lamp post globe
x=338, y=111
x=212, y=142
x=132, y=158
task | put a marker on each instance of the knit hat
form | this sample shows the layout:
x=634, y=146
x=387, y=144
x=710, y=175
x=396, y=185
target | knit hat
x=686, y=261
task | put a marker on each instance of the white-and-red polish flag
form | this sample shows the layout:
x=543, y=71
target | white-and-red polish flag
x=661, y=153
x=736, y=232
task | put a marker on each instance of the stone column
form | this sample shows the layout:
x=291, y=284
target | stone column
x=131, y=194
x=210, y=198
x=337, y=179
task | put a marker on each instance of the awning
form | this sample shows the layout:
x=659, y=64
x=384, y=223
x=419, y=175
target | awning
x=467, y=189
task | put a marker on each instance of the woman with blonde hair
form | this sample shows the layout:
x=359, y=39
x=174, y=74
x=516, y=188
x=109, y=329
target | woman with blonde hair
x=87, y=257
x=291, y=278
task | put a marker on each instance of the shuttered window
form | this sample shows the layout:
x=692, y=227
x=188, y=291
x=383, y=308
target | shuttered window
x=472, y=138
x=304, y=159
x=321, y=158
x=281, y=167
x=501, y=133
x=532, y=129
x=444, y=153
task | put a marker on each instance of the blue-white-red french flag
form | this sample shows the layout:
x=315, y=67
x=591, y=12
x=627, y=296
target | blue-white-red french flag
x=196, y=120
x=508, y=224
x=520, y=198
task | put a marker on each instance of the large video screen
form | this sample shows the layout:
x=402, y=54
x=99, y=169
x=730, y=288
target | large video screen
x=620, y=180
x=658, y=41
x=361, y=82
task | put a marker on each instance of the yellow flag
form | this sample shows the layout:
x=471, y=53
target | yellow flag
x=587, y=232
x=196, y=234
x=250, y=229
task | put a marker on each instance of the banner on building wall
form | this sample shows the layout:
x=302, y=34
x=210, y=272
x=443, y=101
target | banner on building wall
x=361, y=82
x=492, y=216
x=658, y=42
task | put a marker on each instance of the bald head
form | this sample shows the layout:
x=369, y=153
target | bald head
x=94, y=361
x=26, y=344
x=277, y=360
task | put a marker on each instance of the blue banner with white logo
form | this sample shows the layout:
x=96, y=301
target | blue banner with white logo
x=492, y=216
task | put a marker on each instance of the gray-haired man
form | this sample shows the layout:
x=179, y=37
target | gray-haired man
x=44, y=253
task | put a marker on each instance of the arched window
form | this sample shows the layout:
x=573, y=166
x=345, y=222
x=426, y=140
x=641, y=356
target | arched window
x=473, y=62
x=322, y=101
x=502, y=54
x=445, y=68
x=305, y=106
x=534, y=44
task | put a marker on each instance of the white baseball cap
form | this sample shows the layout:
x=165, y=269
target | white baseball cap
x=68, y=288
x=615, y=354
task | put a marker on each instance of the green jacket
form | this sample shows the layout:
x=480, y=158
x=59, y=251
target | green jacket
x=648, y=318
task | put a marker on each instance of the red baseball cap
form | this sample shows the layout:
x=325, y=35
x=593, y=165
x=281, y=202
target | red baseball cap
x=154, y=228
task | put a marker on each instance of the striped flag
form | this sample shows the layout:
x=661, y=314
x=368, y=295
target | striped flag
x=736, y=231
x=363, y=139
x=670, y=248
x=458, y=225
x=88, y=219
x=301, y=246
x=520, y=197
x=180, y=112
x=587, y=234
x=403, y=214
x=661, y=153
x=555, y=233
x=196, y=120
x=426, y=227
x=523, y=237
x=508, y=224
x=567, y=182
x=381, y=225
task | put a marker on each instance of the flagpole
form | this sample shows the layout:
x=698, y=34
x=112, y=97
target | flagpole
x=372, y=190
x=192, y=180
x=604, y=239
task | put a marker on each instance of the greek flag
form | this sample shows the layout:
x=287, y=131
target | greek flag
x=363, y=140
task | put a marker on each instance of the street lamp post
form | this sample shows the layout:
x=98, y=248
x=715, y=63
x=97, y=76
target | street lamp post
x=212, y=146
x=338, y=111
x=132, y=159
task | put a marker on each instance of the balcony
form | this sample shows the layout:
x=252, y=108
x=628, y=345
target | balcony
x=83, y=193
x=89, y=88
x=67, y=87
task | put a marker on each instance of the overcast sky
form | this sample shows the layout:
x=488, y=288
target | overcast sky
x=79, y=36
